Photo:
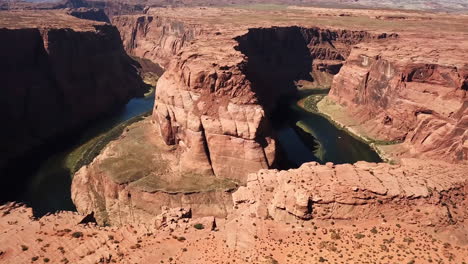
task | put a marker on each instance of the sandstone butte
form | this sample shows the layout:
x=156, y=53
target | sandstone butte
x=196, y=182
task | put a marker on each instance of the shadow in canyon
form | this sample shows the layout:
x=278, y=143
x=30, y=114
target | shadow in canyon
x=278, y=59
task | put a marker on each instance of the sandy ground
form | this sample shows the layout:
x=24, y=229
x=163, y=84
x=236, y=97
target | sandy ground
x=59, y=238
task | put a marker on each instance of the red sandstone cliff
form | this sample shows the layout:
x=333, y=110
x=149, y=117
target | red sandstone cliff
x=215, y=106
x=154, y=37
x=214, y=100
x=422, y=104
x=89, y=13
x=58, y=78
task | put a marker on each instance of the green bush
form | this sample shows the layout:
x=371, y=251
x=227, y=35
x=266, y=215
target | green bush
x=199, y=226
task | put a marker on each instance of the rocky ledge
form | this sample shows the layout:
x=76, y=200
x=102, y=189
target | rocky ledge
x=360, y=191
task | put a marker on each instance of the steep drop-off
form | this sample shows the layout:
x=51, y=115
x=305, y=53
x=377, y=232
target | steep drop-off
x=422, y=103
x=154, y=37
x=57, y=78
x=213, y=107
x=217, y=112
x=95, y=14
x=279, y=57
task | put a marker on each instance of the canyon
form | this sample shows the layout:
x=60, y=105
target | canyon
x=214, y=103
x=205, y=166
x=56, y=79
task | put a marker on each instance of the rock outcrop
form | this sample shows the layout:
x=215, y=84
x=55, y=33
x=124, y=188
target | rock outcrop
x=136, y=177
x=422, y=103
x=217, y=112
x=360, y=191
x=57, y=78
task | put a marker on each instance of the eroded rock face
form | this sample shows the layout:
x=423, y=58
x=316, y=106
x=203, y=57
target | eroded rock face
x=95, y=14
x=58, y=78
x=209, y=112
x=422, y=104
x=360, y=191
x=213, y=104
x=154, y=37
x=217, y=113
x=136, y=178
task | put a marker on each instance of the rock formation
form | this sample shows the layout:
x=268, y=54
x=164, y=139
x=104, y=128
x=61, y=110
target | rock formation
x=154, y=37
x=57, y=76
x=422, y=103
x=136, y=176
x=193, y=182
x=362, y=190
x=217, y=112
x=89, y=13
x=214, y=100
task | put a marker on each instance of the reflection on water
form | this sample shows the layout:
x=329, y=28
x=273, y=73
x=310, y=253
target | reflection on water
x=47, y=188
x=306, y=136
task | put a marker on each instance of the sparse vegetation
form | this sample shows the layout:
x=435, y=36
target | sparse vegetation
x=77, y=234
x=199, y=226
x=359, y=236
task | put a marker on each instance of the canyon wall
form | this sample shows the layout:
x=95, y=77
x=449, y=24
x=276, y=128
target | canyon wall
x=215, y=107
x=55, y=80
x=155, y=38
x=95, y=14
x=279, y=57
x=422, y=104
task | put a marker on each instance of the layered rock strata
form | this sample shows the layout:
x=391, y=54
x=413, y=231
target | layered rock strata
x=217, y=113
x=95, y=14
x=360, y=191
x=214, y=100
x=423, y=103
x=154, y=37
x=57, y=78
x=137, y=176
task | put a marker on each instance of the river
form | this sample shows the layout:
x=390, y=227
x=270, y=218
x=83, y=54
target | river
x=43, y=182
x=306, y=136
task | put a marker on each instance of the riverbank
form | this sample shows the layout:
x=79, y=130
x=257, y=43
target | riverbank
x=305, y=135
x=42, y=181
x=387, y=150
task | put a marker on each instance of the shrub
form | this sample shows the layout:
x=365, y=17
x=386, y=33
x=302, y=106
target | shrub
x=359, y=236
x=335, y=236
x=408, y=240
x=24, y=248
x=77, y=234
x=198, y=226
